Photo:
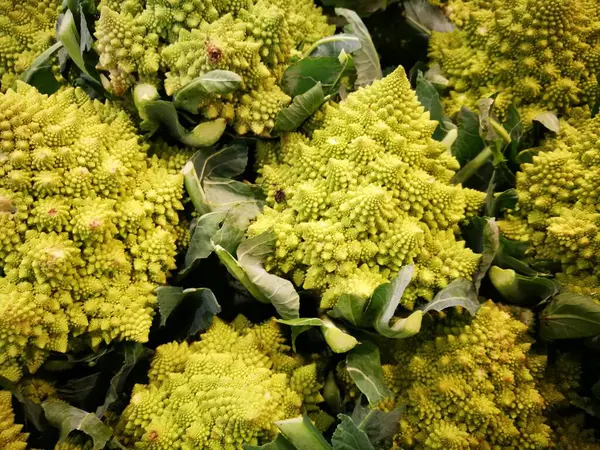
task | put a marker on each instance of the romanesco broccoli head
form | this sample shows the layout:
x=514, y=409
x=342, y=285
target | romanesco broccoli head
x=185, y=39
x=557, y=211
x=221, y=392
x=538, y=54
x=88, y=226
x=27, y=29
x=366, y=194
x=469, y=383
x=11, y=437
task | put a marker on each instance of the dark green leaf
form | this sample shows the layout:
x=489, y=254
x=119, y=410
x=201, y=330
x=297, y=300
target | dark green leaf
x=230, y=234
x=426, y=17
x=382, y=306
x=362, y=7
x=366, y=59
x=596, y=106
x=491, y=244
x=520, y=289
x=378, y=425
x=280, y=443
x=303, y=75
x=347, y=436
x=350, y=307
x=33, y=411
x=68, y=35
x=334, y=45
x=549, y=120
x=200, y=244
x=460, y=292
x=213, y=82
x=510, y=256
x=87, y=40
x=364, y=366
x=79, y=390
x=331, y=393
x=468, y=144
x=132, y=353
x=302, y=434
x=204, y=302
x=68, y=418
x=299, y=326
x=429, y=97
x=39, y=73
x=503, y=201
x=302, y=107
x=596, y=389
x=570, y=316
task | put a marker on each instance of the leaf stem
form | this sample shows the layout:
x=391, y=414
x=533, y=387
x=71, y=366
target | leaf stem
x=501, y=131
x=472, y=166
x=194, y=188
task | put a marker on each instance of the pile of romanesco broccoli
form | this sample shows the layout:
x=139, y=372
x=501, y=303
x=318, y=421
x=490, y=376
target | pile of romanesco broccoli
x=349, y=251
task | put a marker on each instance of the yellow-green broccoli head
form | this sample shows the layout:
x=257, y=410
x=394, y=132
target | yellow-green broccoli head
x=88, y=226
x=186, y=39
x=27, y=29
x=223, y=391
x=11, y=437
x=557, y=208
x=538, y=54
x=469, y=383
x=366, y=194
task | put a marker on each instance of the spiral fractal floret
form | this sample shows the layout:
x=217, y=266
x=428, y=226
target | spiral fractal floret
x=557, y=211
x=221, y=392
x=27, y=29
x=89, y=226
x=186, y=39
x=366, y=194
x=539, y=55
x=471, y=383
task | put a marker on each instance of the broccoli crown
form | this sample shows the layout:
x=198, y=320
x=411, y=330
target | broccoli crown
x=27, y=28
x=470, y=383
x=538, y=54
x=221, y=392
x=11, y=437
x=88, y=226
x=186, y=39
x=557, y=211
x=368, y=193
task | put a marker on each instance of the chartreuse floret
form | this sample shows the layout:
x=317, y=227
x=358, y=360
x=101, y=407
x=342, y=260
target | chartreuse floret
x=11, y=437
x=185, y=39
x=469, y=383
x=366, y=194
x=88, y=226
x=27, y=29
x=221, y=392
x=538, y=54
x=557, y=211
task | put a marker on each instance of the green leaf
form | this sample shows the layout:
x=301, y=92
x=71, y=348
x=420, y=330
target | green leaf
x=520, y=289
x=334, y=45
x=338, y=340
x=570, y=316
x=133, y=352
x=350, y=307
x=429, y=97
x=378, y=425
x=347, y=436
x=79, y=390
x=596, y=105
x=460, y=292
x=302, y=107
x=214, y=82
x=68, y=35
x=362, y=7
x=382, y=306
x=305, y=74
x=331, y=393
x=549, y=121
x=275, y=290
x=33, y=411
x=491, y=244
x=203, y=301
x=280, y=443
x=503, y=201
x=366, y=59
x=299, y=326
x=68, y=418
x=426, y=18
x=302, y=434
x=468, y=143
x=364, y=367
x=39, y=73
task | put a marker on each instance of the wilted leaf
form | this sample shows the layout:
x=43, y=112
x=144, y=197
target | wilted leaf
x=204, y=304
x=366, y=59
x=570, y=316
x=302, y=107
x=364, y=366
x=214, y=82
x=302, y=434
x=68, y=418
x=491, y=244
x=347, y=436
x=460, y=292
x=549, y=120
x=79, y=390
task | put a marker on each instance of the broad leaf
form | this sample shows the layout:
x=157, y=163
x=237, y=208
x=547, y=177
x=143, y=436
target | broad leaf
x=468, y=143
x=366, y=59
x=549, y=120
x=299, y=326
x=68, y=418
x=347, y=436
x=426, y=17
x=280, y=443
x=570, y=316
x=334, y=45
x=200, y=246
x=79, y=390
x=382, y=306
x=503, y=201
x=596, y=105
x=378, y=425
x=33, y=411
x=302, y=107
x=303, y=75
x=332, y=394
x=40, y=74
x=429, y=97
x=337, y=339
x=201, y=300
x=364, y=367
x=302, y=434
x=351, y=308
x=214, y=82
x=520, y=289
x=460, y=292
x=362, y=7
x=68, y=35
